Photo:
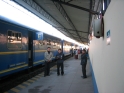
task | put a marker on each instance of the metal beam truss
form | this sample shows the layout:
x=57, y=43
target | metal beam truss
x=82, y=38
x=75, y=6
x=65, y=29
x=65, y=15
x=69, y=1
x=70, y=29
x=90, y=17
x=59, y=2
x=40, y=10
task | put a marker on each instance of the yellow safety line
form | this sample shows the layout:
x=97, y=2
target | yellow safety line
x=15, y=90
x=35, y=78
x=15, y=52
x=10, y=69
x=40, y=74
x=31, y=81
x=14, y=68
x=26, y=83
x=40, y=50
x=21, y=86
x=19, y=52
x=38, y=62
x=44, y=50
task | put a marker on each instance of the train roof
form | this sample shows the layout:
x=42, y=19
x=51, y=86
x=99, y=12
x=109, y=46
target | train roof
x=15, y=23
x=3, y=19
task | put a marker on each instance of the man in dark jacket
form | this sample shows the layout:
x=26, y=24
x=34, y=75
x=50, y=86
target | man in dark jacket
x=84, y=62
x=60, y=60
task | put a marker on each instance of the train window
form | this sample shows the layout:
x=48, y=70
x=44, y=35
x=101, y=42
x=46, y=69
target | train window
x=48, y=42
x=40, y=42
x=14, y=40
x=54, y=42
x=44, y=42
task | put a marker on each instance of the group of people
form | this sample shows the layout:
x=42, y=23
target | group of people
x=48, y=59
x=60, y=59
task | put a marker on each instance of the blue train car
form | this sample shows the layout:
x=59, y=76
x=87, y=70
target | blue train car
x=40, y=46
x=67, y=46
x=22, y=47
x=13, y=48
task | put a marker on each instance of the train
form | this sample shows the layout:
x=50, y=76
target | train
x=22, y=47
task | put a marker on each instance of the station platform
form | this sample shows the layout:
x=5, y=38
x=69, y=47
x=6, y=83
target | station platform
x=70, y=82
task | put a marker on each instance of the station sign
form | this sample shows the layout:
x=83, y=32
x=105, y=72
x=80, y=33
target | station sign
x=108, y=37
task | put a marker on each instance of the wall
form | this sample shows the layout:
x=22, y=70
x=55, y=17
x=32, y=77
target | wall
x=108, y=60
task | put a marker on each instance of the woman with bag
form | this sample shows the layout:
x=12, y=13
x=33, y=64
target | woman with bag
x=76, y=54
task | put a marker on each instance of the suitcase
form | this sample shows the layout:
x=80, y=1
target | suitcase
x=76, y=56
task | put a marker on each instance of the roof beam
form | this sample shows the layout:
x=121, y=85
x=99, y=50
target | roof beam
x=72, y=33
x=65, y=15
x=90, y=17
x=69, y=1
x=70, y=29
x=78, y=7
x=77, y=30
x=82, y=38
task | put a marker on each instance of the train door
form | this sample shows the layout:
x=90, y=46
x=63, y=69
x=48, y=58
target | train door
x=30, y=49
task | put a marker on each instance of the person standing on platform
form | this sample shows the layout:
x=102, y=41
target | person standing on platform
x=76, y=54
x=48, y=59
x=71, y=52
x=60, y=60
x=81, y=51
x=84, y=62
